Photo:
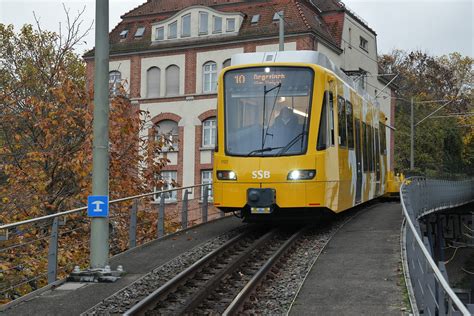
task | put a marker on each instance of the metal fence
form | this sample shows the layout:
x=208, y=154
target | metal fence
x=428, y=280
x=39, y=251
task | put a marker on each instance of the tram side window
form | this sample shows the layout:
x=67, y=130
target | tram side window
x=374, y=147
x=326, y=125
x=364, y=146
x=350, y=125
x=369, y=151
x=331, y=119
x=383, y=139
x=371, y=148
x=377, y=154
x=342, y=121
x=322, y=133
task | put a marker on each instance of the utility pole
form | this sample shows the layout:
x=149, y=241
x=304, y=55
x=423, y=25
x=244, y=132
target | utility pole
x=99, y=248
x=412, y=138
x=282, y=31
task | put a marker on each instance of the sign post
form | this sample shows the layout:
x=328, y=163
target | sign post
x=99, y=248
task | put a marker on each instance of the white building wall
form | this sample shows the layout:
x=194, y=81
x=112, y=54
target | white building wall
x=354, y=57
x=206, y=156
x=162, y=63
x=217, y=56
x=275, y=47
x=336, y=58
x=189, y=111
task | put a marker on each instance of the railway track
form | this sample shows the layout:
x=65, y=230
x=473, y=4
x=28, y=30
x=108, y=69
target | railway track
x=223, y=280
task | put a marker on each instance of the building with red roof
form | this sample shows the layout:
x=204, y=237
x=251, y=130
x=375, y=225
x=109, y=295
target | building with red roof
x=169, y=54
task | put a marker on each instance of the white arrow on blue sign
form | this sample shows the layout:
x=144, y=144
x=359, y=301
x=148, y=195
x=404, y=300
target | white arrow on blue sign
x=98, y=206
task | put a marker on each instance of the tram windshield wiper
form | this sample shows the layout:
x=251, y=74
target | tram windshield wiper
x=262, y=150
x=265, y=92
x=291, y=143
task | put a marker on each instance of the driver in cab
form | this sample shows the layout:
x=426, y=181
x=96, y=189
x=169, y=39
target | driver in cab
x=285, y=127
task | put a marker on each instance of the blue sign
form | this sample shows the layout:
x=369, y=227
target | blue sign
x=98, y=206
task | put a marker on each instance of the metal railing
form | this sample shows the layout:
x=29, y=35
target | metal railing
x=39, y=251
x=428, y=280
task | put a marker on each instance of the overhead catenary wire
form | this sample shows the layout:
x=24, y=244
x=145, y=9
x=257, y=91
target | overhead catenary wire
x=453, y=115
x=364, y=53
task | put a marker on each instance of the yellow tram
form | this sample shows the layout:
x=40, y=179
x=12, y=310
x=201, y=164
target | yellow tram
x=295, y=134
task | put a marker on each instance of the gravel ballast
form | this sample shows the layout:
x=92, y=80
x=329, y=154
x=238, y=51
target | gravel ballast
x=127, y=297
x=274, y=296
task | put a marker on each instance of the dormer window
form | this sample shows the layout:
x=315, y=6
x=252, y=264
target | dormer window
x=194, y=22
x=203, y=23
x=123, y=34
x=186, y=25
x=173, y=30
x=217, y=25
x=276, y=16
x=160, y=33
x=140, y=31
x=316, y=17
x=230, y=25
x=255, y=19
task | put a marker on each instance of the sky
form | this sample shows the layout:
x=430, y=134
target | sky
x=434, y=26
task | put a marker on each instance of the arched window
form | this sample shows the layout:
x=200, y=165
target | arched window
x=206, y=178
x=169, y=179
x=115, y=78
x=172, y=80
x=226, y=63
x=209, y=132
x=209, y=74
x=167, y=133
x=153, y=82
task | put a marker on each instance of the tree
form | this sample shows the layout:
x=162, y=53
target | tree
x=443, y=143
x=45, y=121
x=46, y=153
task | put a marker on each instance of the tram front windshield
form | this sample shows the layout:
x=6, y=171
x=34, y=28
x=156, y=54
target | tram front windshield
x=267, y=111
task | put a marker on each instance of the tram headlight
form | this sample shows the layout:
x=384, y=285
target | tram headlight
x=226, y=175
x=301, y=174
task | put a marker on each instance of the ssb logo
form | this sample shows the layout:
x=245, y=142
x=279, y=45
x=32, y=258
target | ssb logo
x=261, y=174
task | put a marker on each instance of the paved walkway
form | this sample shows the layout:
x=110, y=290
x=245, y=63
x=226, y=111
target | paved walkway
x=70, y=300
x=358, y=272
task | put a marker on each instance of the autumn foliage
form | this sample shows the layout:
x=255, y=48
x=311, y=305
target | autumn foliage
x=444, y=142
x=46, y=153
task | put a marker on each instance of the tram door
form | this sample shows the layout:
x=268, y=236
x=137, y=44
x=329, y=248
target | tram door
x=358, y=152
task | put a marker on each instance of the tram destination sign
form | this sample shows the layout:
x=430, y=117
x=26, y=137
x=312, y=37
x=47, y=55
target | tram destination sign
x=260, y=78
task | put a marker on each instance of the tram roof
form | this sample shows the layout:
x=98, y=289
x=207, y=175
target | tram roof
x=300, y=56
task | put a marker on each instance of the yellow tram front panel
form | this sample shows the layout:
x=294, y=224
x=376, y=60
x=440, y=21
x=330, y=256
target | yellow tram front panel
x=267, y=172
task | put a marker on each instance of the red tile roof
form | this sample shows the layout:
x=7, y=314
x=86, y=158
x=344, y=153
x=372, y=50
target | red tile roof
x=301, y=16
x=159, y=6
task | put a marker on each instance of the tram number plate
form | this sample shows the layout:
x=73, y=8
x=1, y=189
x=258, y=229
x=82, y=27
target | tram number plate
x=260, y=210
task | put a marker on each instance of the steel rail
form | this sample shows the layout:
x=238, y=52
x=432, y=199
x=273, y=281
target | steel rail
x=148, y=303
x=434, y=268
x=212, y=284
x=243, y=295
x=83, y=208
